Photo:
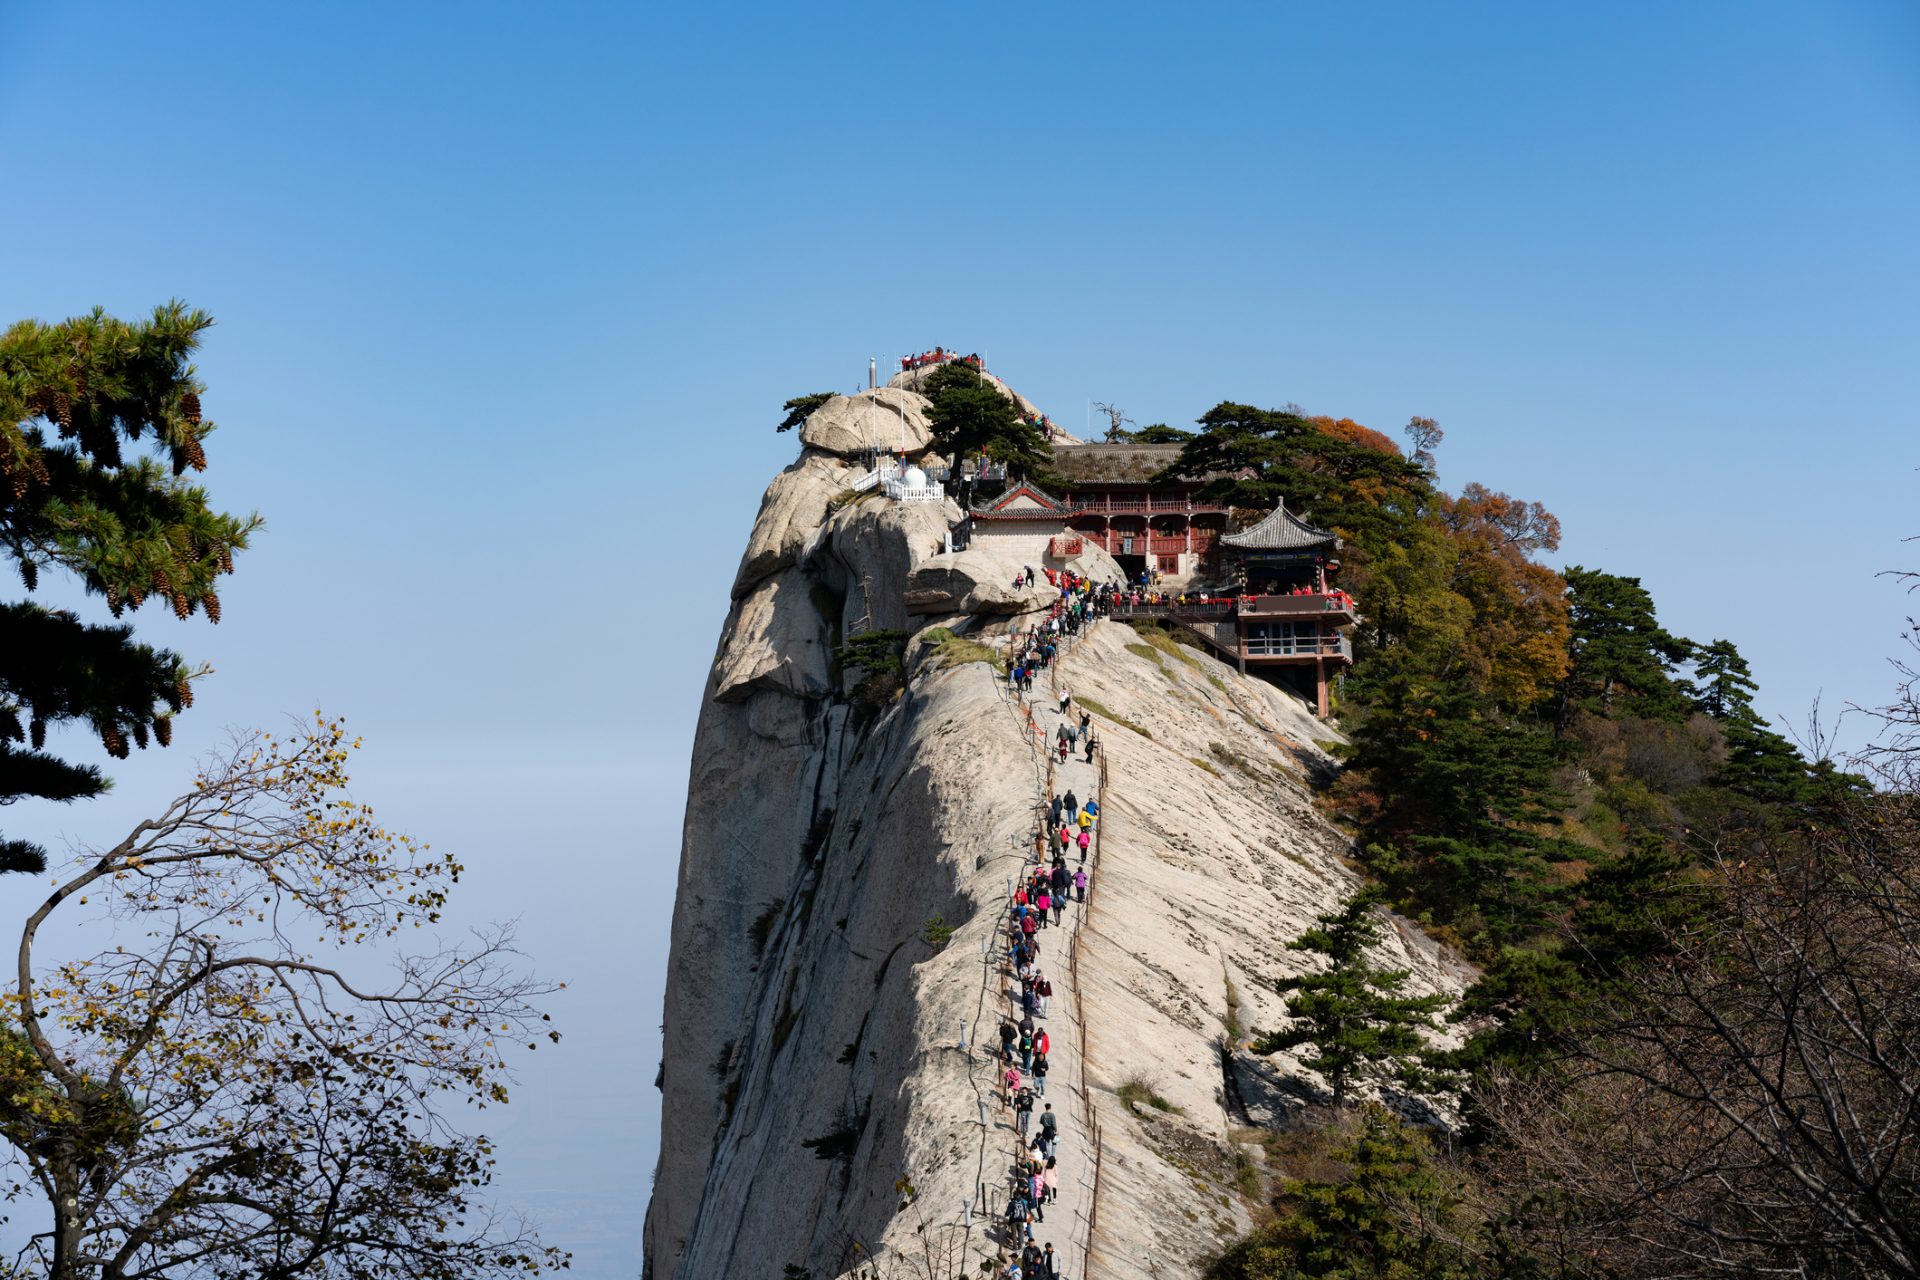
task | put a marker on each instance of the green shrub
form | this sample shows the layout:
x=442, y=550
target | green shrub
x=950, y=650
x=936, y=932
x=1137, y=1093
x=1158, y=638
x=762, y=928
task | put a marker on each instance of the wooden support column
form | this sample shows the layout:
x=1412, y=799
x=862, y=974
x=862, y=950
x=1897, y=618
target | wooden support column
x=1320, y=680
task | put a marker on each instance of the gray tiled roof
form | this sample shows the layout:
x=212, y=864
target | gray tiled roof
x=1281, y=530
x=1047, y=504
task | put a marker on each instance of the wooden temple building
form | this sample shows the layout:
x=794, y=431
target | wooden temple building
x=1148, y=528
x=1262, y=597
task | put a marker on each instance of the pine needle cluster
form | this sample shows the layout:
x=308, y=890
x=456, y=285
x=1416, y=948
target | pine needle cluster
x=100, y=423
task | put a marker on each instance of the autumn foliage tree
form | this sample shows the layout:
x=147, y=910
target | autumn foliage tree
x=100, y=422
x=1516, y=649
x=235, y=1088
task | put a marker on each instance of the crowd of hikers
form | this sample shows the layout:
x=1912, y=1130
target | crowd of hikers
x=1080, y=602
x=1041, y=422
x=939, y=355
x=1054, y=880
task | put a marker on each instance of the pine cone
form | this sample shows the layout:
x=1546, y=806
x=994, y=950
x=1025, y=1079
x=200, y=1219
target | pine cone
x=226, y=558
x=211, y=603
x=37, y=733
x=190, y=406
x=63, y=412
x=196, y=456
x=182, y=607
x=185, y=690
x=114, y=740
x=30, y=574
x=163, y=730
x=140, y=734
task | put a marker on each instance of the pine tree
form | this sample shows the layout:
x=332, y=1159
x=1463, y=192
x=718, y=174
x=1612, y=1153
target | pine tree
x=800, y=408
x=100, y=419
x=1761, y=764
x=968, y=416
x=1352, y=1014
x=1626, y=909
x=1622, y=658
x=1467, y=807
x=1336, y=474
x=1395, y=1216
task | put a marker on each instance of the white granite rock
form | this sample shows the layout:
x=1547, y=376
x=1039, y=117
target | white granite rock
x=973, y=581
x=885, y=418
x=791, y=512
x=777, y=637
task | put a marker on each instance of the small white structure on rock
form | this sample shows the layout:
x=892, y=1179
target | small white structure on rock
x=907, y=483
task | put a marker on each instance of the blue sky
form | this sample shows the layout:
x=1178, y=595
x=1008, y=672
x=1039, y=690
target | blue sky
x=509, y=297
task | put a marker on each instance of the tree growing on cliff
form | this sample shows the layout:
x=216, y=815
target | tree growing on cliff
x=1742, y=1102
x=1352, y=1014
x=969, y=416
x=230, y=1091
x=800, y=408
x=99, y=420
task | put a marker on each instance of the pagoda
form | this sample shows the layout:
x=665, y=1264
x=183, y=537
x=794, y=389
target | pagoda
x=1289, y=617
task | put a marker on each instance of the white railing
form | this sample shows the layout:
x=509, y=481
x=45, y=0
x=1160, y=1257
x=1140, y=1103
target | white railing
x=892, y=479
x=865, y=482
x=1298, y=647
x=900, y=491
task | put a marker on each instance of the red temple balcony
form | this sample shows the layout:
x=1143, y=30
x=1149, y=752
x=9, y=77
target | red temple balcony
x=1108, y=503
x=1337, y=606
x=1257, y=648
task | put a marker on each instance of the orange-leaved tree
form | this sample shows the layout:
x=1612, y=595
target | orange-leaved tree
x=1517, y=648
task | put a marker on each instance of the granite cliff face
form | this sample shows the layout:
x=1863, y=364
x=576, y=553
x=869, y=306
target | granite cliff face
x=812, y=1055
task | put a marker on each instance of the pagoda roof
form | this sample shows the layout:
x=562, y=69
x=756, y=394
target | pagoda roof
x=1023, y=501
x=1280, y=530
